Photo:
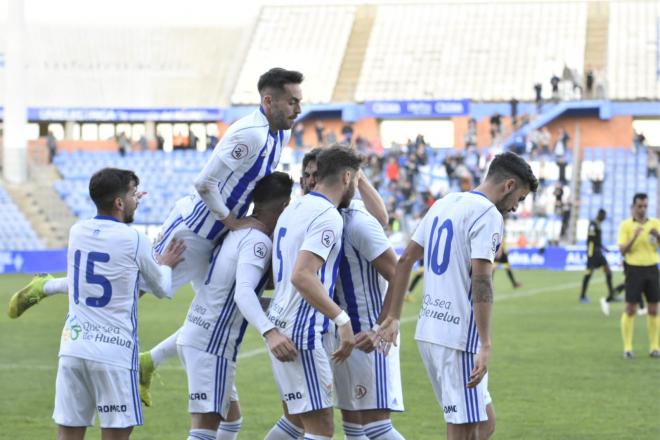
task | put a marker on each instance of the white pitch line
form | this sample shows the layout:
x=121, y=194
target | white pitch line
x=259, y=351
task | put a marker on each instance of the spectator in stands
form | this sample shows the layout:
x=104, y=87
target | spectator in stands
x=471, y=135
x=589, y=83
x=532, y=143
x=211, y=141
x=122, y=143
x=160, y=141
x=143, y=144
x=559, y=198
x=51, y=143
x=298, y=133
x=330, y=137
x=319, y=128
x=652, y=163
x=565, y=218
x=544, y=141
x=639, y=141
x=347, y=133
x=392, y=171
x=178, y=141
x=554, y=83
x=562, y=164
x=495, y=126
x=192, y=140
x=514, y=112
x=538, y=91
x=562, y=143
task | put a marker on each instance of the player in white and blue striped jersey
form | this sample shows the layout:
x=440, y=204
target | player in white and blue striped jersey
x=458, y=239
x=213, y=329
x=307, y=243
x=107, y=262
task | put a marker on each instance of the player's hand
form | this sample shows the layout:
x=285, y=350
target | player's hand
x=234, y=223
x=480, y=367
x=654, y=232
x=365, y=341
x=346, y=343
x=173, y=254
x=280, y=345
x=140, y=194
x=386, y=335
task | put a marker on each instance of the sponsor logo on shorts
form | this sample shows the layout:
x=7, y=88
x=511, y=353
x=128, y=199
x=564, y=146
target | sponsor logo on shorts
x=327, y=238
x=197, y=396
x=450, y=409
x=239, y=151
x=111, y=408
x=260, y=250
x=360, y=391
x=292, y=396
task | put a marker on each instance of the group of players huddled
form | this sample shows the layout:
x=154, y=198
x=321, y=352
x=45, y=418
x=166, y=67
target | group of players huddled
x=331, y=326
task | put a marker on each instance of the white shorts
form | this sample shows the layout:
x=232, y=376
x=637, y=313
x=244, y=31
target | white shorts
x=367, y=380
x=196, y=256
x=84, y=387
x=449, y=372
x=306, y=383
x=211, y=381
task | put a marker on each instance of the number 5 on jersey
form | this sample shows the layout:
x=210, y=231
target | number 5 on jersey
x=91, y=278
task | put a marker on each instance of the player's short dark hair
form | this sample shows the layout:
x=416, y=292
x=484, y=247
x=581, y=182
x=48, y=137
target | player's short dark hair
x=274, y=187
x=601, y=211
x=509, y=165
x=310, y=156
x=334, y=160
x=639, y=196
x=109, y=183
x=276, y=78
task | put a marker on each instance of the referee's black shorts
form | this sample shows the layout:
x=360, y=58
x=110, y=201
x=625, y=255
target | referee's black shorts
x=596, y=260
x=503, y=258
x=642, y=280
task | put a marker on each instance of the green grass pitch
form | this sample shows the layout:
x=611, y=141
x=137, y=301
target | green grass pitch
x=556, y=369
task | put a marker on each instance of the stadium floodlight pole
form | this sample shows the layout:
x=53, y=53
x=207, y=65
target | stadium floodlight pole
x=15, y=108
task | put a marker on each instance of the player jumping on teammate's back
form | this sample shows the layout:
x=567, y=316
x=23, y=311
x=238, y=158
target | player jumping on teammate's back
x=458, y=239
x=596, y=259
x=108, y=263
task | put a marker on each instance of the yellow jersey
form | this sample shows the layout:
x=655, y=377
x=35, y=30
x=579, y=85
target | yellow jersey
x=644, y=250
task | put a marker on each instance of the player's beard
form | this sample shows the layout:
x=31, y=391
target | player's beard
x=503, y=205
x=348, y=196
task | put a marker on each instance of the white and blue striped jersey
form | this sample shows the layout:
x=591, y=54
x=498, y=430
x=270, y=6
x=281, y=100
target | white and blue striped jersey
x=247, y=152
x=361, y=290
x=213, y=323
x=457, y=229
x=106, y=260
x=313, y=224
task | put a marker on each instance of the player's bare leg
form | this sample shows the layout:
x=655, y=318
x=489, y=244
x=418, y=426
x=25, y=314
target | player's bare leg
x=375, y=423
x=116, y=433
x=71, y=432
x=318, y=423
x=229, y=428
x=287, y=427
x=487, y=428
x=463, y=431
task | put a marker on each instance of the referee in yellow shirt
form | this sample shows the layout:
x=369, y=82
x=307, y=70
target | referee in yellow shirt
x=638, y=242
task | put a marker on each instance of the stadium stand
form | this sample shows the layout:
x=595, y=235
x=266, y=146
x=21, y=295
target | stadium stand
x=465, y=50
x=16, y=233
x=129, y=66
x=623, y=173
x=292, y=37
x=633, y=47
x=165, y=176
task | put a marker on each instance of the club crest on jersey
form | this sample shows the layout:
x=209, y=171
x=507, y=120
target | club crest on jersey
x=239, y=151
x=360, y=391
x=496, y=241
x=327, y=238
x=260, y=250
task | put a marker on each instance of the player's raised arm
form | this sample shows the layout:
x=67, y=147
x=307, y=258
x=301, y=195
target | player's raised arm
x=373, y=202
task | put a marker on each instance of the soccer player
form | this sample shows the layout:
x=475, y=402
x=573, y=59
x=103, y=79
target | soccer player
x=307, y=241
x=213, y=329
x=596, y=259
x=248, y=151
x=638, y=242
x=502, y=258
x=458, y=239
x=107, y=260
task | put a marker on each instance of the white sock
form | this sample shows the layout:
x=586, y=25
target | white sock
x=201, y=434
x=382, y=430
x=354, y=431
x=316, y=437
x=165, y=349
x=229, y=430
x=56, y=286
x=284, y=430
